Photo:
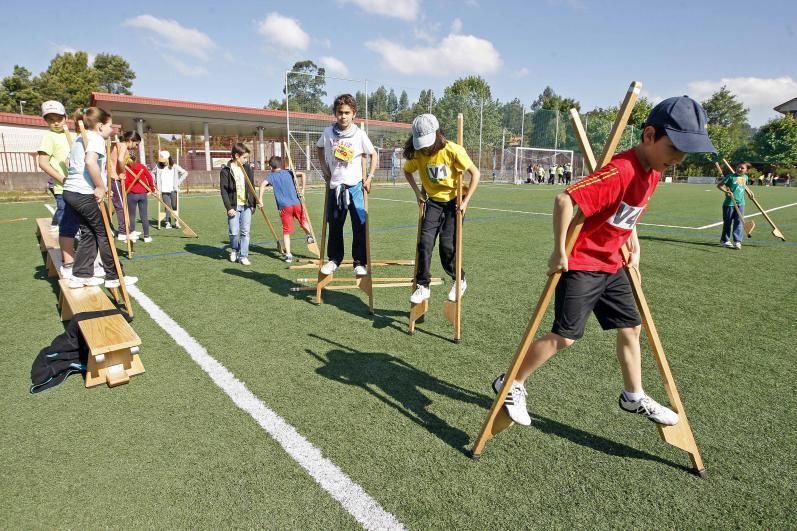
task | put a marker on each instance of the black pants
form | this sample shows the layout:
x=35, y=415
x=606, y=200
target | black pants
x=92, y=236
x=438, y=218
x=337, y=219
x=170, y=198
x=141, y=201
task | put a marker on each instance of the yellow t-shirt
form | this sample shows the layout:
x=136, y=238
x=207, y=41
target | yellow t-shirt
x=240, y=183
x=56, y=147
x=438, y=171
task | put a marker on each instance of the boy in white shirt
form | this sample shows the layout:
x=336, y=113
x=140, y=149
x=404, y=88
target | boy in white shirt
x=340, y=150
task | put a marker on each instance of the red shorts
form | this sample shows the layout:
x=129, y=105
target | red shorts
x=288, y=213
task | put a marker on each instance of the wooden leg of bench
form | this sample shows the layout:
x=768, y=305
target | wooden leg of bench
x=66, y=311
x=114, y=368
x=52, y=272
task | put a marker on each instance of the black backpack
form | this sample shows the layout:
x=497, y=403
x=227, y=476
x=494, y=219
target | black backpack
x=67, y=354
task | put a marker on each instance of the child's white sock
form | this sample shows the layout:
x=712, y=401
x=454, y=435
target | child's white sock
x=633, y=397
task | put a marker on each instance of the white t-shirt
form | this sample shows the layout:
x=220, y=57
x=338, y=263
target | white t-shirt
x=169, y=179
x=78, y=179
x=353, y=147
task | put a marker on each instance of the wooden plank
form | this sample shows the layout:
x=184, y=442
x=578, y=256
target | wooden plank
x=47, y=239
x=107, y=334
x=85, y=299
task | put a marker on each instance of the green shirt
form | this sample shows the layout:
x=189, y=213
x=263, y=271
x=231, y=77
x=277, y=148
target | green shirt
x=56, y=147
x=736, y=184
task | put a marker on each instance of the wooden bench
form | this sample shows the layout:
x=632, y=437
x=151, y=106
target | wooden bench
x=113, y=344
x=47, y=239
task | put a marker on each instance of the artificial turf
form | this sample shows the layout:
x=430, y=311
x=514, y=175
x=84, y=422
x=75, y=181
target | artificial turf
x=397, y=413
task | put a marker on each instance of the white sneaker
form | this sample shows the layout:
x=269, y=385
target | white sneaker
x=54, y=229
x=737, y=245
x=515, y=402
x=129, y=281
x=148, y=239
x=121, y=237
x=288, y=258
x=177, y=226
x=65, y=272
x=245, y=261
x=360, y=271
x=310, y=240
x=452, y=295
x=99, y=271
x=728, y=244
x=421, y=294
x=329, y=268
x=79, y=282
x=167, y=226
x=649, y=408
x=233, y=255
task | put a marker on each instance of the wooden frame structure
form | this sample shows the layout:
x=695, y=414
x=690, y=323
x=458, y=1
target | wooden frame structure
x=680, y=435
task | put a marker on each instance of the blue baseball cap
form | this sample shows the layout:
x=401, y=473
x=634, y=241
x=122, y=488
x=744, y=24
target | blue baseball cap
x=685, y=122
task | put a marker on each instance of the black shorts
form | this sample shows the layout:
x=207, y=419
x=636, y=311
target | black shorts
x=580, y=292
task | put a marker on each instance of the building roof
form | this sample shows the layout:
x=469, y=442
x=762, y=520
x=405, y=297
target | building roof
x=165, y=116
x=27, y=120
x=789, y=106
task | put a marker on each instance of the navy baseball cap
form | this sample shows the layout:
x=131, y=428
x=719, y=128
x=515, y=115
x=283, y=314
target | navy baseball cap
x=685, y=122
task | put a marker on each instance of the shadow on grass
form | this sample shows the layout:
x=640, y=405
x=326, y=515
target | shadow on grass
x=682, y=243
x=596, y=442
x=399, y=385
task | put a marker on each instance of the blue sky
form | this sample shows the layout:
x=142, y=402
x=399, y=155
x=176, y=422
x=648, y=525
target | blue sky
x=237, y=53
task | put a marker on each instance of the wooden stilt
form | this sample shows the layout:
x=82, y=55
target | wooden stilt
x=453, y=310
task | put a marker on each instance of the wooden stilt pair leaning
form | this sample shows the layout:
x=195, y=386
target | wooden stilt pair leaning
x=680, y=435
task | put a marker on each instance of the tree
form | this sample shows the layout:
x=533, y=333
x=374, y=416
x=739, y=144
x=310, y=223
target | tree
x=425, y=103
x=776, y=142
x=306, y=88
x=68, y=79
x=472, y=97
x=549, y=127
x=378, y=105
x=512, y=113
x=277, y=105
x=640, y=112
x=404, y=112
x=19, y=87
x=114, y=74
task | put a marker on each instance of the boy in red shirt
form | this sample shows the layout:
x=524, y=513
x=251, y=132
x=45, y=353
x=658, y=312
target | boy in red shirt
x=137, y=196
x=612, y=199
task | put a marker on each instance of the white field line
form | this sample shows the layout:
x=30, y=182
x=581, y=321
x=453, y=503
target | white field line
x=549, y=214
x=51, y=208
x=331, y=478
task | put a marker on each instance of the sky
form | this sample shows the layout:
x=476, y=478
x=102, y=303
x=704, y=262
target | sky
x=237, y=53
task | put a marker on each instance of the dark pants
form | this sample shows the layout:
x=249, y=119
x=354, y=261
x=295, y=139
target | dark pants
x=92, y=236
x=337, y=219
x=116, y=197
x=141, y=201
x=59, y=210
x=438, y=218
x=170, y=198
x=730, y=217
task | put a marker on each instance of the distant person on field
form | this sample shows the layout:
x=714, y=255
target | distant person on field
x=560, y=174
x=568, y=173
x=733, y=186
x=288, y=202
x=239, y=201
x=137, y=195
x=612, y=199
x=551, y=173
x=168, y=178
x=119, y=159
x=540, y=174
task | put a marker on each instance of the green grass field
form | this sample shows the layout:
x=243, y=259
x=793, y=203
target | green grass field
x=397, y=413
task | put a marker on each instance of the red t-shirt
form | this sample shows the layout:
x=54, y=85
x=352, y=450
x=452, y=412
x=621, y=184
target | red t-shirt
x=612, y=199
x=146, y=176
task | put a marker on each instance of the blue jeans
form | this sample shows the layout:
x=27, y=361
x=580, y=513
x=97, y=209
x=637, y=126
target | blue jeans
x=729, y=216
x=59, y=209
x=239, y=226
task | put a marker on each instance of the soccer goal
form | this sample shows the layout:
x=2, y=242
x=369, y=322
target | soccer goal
x=526, y=157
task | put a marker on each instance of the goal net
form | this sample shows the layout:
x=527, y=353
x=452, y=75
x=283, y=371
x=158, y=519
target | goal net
x=531, y=163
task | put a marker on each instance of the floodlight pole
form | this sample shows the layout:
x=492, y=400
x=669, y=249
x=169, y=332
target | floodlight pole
x=522, y=124
x=481, y=123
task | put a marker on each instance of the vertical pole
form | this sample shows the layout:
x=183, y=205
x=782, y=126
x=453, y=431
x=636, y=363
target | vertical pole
x=365, y=87
x=287, y=118
x=556, y=137
x=308, y=153
x=207, y=147
x=522, y=125
x=481, y=123
x=261, y=148
x=140, y=127
x=503, y=140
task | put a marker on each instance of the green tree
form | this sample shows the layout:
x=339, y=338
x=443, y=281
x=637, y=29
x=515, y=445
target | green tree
x=425, y=103
x=68, y=79
x=378, y=108
x=472, y=97
x=306, y=88
x=19, y=87
x=404, y=112
x=548, y=126
x=513, y=116
x=114, y=74
x=776, y=142
x=640, y=112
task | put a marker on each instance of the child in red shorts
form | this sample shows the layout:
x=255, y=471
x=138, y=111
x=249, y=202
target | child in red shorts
x=593, y=280
x=288, y=203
